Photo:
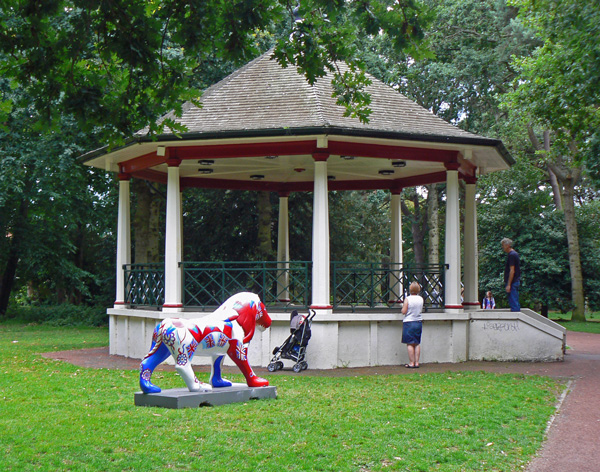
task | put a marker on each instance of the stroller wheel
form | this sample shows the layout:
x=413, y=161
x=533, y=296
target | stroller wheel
x=297, y=368
x=272, y=367
x=304, y=365
x=279, y=365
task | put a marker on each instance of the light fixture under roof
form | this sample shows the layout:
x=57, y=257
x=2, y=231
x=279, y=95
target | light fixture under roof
x=399, y=163
x=386, y=171
x=299, y=169
x=347, y=158
x=271, y=157
x=257, y=177
x=205, y=171
x=206, y=162
x=331, y=177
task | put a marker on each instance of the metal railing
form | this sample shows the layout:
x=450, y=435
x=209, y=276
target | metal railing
x=208, y=284
x=288, y=283
x=144, y=284
x=372, y=284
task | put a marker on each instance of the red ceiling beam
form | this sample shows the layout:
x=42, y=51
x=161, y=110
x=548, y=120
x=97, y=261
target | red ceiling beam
x=151, y=175
x=289, y=148
x=220, y=151
x=391, y=152
x=308, y=186
x=142, y=162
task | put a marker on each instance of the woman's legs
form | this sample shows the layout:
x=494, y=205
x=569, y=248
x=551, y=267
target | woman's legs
x=414, y=353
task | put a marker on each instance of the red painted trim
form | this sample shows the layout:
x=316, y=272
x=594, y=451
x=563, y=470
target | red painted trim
x=470, y=179
x=471, y=303
x=453, y=307
x=321, y=307
x=320, y=156
x=284, y=194
x=307, y=186
x=467, y=167
x=173, y=162
x=284, y=300
x=289, y=148
x=119, y=303
x=391, y=152
x=152, y=176
x=452, y=165
x=178, y=305
x=197, y=182
x=124, y=176
x=142, y=162
x=220, y=151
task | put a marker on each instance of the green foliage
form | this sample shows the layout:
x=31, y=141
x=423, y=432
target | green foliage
x=59, y=315
x=517, y=203
x=472, y=42
x=58, y=416
x=58, y=216
x=589, y=229
x=359, y=226
x=559, y=84
x=122, y=64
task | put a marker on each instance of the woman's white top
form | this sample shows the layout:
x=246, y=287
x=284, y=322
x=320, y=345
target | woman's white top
x=415, y=308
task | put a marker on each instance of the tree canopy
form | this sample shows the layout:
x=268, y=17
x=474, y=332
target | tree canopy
x=77, y=74
x=117, y=65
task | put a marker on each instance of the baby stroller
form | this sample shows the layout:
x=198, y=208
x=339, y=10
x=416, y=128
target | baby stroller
x=294, y=347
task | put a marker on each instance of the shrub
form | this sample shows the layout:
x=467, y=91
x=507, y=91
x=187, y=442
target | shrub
x=60, y=315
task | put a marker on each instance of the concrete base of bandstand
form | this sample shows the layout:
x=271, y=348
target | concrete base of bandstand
x=176, y=398
x=372, y=338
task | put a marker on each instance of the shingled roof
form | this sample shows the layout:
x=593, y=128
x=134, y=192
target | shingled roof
x=264, y=96
x=265, y=121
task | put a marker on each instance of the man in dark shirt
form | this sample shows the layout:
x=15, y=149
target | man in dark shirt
x=512, y=274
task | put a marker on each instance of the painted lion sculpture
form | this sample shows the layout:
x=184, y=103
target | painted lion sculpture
x=228, y=330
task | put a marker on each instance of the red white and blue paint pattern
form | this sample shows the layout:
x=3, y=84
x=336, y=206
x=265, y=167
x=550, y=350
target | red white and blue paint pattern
x=228, y=330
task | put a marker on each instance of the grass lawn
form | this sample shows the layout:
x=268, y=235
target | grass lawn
x=592, y=325
x=55, y=416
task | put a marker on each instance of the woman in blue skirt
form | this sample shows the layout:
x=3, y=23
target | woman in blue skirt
x=412, y=325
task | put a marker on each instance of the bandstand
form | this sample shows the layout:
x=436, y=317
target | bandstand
x=264, y=128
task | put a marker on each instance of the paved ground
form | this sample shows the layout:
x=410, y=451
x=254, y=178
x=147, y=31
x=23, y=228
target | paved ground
x=572, y=443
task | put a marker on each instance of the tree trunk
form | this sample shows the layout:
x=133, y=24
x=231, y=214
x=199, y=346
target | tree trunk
x=418, y=227
x=14, y=253
x=145, y=223
x=265, y=246
x=556, y=193
x=574, y=252
x=433, y=223
x=545, y=146
x=566, y=176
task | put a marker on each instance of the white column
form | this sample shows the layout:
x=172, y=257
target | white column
x=471, y=298
x=396, y=287
x=123, y=237
x=283, y=249
x=452, y=256
x=173, y=289
x=320, y=237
